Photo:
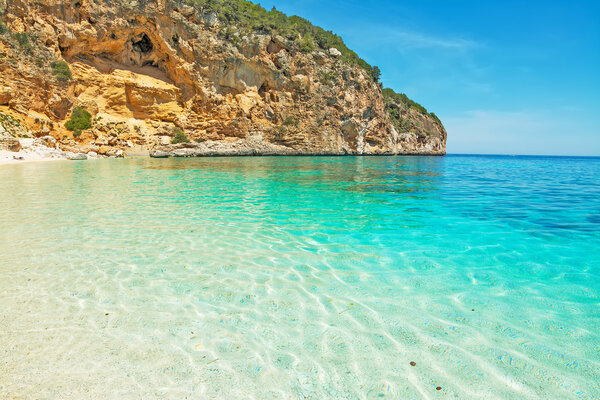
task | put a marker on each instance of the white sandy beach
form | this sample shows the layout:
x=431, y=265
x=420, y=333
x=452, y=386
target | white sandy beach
x=33, y=150
x=6, y=157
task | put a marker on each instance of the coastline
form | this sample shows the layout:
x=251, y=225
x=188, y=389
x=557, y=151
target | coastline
x=258, y=148
x=35, y=150
x=6, y=159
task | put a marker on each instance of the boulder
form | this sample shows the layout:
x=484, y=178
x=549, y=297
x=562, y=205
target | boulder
x=334, y=52
x=183, y=153
x=77, y=157
x=6, y=95
x=9, y=143
x=104, y=150
x=187, y=11
x=283, y=60
x=159, y=154
x=210, y=19
x=47, y=141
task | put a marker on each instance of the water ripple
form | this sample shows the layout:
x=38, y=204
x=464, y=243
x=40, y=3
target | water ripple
x=295, y=278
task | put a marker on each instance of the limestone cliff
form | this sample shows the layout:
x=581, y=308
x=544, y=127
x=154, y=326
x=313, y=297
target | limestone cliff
x=146, y=69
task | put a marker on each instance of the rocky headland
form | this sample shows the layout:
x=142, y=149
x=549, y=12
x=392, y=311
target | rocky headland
x=193, y=78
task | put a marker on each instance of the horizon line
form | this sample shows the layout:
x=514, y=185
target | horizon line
x=522, y=155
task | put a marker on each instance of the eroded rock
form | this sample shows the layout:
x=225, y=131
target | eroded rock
x=156, y=66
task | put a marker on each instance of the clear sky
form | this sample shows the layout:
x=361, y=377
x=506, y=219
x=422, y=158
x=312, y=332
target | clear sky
x=505, y=77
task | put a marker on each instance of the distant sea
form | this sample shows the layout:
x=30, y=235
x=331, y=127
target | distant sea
x=457, y=277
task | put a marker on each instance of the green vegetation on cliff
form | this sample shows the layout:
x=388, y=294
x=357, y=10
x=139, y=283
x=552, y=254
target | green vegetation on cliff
x=3, y=28
x=391, y=96
x=436, y=118
x=241, y=17
x=402, y=124
x=244, y=17
x=9, y=123
x=61, y=71
x=179, y=137
x=80, y=120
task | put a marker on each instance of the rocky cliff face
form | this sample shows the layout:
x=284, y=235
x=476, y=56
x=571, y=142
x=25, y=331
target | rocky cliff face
x=147, y=69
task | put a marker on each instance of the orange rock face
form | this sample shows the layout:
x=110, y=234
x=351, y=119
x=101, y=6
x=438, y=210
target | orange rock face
x=143, y=72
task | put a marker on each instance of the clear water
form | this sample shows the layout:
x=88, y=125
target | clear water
x=301, y=278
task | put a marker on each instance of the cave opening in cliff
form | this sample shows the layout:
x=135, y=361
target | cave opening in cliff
x=263, y=89
x=143, y=44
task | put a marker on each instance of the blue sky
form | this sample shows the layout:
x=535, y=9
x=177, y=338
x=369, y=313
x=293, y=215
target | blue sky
x=510, y=77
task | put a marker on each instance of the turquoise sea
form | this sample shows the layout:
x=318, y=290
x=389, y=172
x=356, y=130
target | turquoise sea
x=301, y=278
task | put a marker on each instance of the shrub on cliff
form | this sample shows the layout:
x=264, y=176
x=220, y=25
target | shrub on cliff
x=391, y=96
x=290, y=121
x=375, y=73
x=401, y=124
x=25, y=41
x=80, y=121
x=435, y=117
x=307, y=44
x=179, y=137
x=3, y=28
x=61, y=71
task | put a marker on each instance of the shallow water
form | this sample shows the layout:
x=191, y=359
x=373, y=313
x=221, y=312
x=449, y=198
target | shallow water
x=301, y=278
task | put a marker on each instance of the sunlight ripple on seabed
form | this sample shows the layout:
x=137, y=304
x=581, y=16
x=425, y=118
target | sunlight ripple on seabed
x=293, y=278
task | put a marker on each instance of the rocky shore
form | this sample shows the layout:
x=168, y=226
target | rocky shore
x=46, y=148
x=248, y=148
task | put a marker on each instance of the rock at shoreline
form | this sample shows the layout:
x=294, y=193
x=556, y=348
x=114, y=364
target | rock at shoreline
x=47, y=141
x=77, y=157
x=9, y=143
x=160, y=154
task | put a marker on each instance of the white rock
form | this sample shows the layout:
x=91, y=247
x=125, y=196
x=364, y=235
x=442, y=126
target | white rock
x=211, y=19
x=78, y=157
x=334, y=52
x=46, y=141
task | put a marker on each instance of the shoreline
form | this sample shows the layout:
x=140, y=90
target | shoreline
x=47, y=149
x=6, y=159
x=222, y=155
x=32, y=152
x=257, y=148
x=10, y=161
